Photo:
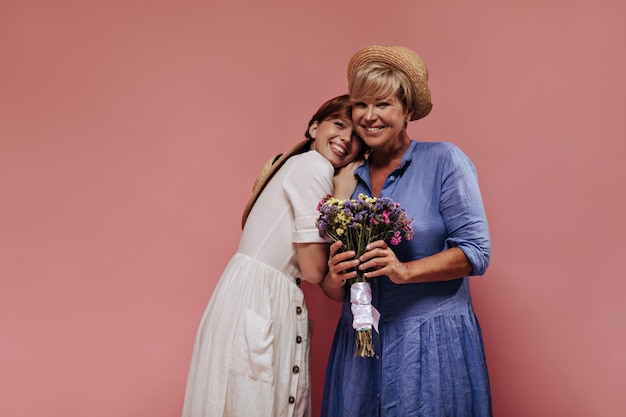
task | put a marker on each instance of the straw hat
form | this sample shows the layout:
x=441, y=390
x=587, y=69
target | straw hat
x=405, y=60
x=267, y=172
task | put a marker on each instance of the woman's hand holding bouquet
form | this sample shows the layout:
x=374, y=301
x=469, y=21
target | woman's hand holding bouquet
x=357, y=224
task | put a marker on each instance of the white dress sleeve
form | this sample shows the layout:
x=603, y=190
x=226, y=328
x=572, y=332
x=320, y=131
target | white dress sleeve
x=309, y=179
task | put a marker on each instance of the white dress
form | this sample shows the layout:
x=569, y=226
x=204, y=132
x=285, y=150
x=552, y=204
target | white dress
x=251, y=355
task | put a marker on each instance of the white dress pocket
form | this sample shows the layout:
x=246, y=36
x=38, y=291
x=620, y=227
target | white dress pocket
x=253, y=352
x=250, y=385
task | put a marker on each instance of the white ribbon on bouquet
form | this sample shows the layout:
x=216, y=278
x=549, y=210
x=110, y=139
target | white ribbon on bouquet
x=365, y=316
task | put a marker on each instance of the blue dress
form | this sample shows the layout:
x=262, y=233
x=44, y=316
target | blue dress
x=430, y=359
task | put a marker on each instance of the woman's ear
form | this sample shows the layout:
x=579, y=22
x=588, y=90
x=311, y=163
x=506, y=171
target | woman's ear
x=313, y=129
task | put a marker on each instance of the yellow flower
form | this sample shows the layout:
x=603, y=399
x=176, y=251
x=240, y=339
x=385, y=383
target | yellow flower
x=367, y=198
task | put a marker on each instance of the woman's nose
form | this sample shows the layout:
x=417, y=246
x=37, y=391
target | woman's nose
x=370, y=112
x=346, y=135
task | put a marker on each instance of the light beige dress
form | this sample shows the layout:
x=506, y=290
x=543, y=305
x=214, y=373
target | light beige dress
x=252, y=351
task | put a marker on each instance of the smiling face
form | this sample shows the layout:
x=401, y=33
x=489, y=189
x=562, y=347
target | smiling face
x=335, y=140
x=380, y=112
x=380, y=122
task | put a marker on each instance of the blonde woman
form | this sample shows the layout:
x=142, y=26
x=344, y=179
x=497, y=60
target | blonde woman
x=430, y=359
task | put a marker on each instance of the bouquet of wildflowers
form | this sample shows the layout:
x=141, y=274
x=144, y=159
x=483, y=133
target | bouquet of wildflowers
x=357, y=223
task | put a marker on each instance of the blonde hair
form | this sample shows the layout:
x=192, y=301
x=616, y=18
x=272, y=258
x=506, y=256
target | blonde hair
x=375, y=79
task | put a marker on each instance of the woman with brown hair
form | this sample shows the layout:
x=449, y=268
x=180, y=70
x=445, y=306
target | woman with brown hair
x=251, y=356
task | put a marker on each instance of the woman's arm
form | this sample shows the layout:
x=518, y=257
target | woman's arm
x=334, y=283
x=462, y=211
x=466, y=248
x=344, y=180
x=312, y=259
x=443, y=266
x=309, y=178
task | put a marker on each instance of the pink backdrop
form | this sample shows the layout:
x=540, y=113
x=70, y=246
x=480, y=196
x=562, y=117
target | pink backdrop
x=131, y=132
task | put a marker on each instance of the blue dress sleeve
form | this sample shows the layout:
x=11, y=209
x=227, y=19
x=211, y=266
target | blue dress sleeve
x=463, y=211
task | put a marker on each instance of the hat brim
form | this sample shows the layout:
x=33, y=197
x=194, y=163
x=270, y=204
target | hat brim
x=267, y=172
